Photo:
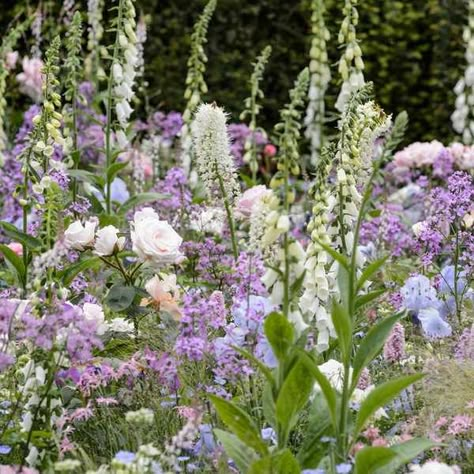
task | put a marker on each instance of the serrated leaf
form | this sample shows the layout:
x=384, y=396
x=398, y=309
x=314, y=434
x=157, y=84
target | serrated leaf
x=239, y=452
x=240, y=423
x=380, y=396
x=371, y=345
x=280, y=334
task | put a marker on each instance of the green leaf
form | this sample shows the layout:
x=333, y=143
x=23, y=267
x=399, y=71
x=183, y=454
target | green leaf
x=312, y=449
x=328, y=392
x=370, y=270
x=281, y=462
x=343, y=282
x=371, y=458
x=18, y=236
x=293, y=396
x=14, y=260
x=368, y=298
x=335, y=255
x=120, y=297
x=139, y=199
x=280, y=334
x=71, y=271
x=371, y=345
x=115, y=168
x=407, y=451
x=380, y=396
x=239, y=452
x=240, y=423
x=87, y=177
x=343, y=327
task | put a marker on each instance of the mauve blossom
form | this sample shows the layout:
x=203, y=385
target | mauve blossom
x=31, y=79
x=394, y=348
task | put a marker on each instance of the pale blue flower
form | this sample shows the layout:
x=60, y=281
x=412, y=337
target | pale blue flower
x=447, y=280
x=433, y=324
x=125, y=457
x=417, y=294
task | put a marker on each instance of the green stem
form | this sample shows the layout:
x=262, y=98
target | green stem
x=108, y=129
x=230, y=218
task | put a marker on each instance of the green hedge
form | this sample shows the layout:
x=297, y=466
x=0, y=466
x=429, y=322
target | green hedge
x=413, y=52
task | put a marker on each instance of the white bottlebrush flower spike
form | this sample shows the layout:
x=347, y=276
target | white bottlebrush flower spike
x=214, y=162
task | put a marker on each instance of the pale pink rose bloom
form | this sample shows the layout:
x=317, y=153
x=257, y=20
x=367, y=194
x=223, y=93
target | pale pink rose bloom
x=164, y=293
x=31, y=79
x=11, y=59
x=418, y=154
x=16, y=247
x=247, y=201
x=463, y=155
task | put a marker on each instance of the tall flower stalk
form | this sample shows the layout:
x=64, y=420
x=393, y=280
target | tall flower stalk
x=214, y=162
x=195, y=82
x=120, y=89
x=73, y=74
x=252, y=109
x=320, y=77
x=351, y=65
x=463, y=115
x=288, y=131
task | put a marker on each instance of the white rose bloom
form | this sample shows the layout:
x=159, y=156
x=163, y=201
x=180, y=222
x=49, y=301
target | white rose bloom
x=154, y=240
x=434, y=467
x=120, y=325
x=79, y=236
x=94, y=312
x=108, y=241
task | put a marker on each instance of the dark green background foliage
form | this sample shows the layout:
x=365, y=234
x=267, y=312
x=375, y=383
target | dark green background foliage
x=413, y=51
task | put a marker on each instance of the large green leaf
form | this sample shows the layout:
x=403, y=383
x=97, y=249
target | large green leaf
x=139, y=199
x=240, y=423
x=406, y=452
x=328, y=392
x=343, y=327
x=281, y=462
x=362, y=300
x=312, y=449
x=371, y=345
x=120, y=297
x=15, y=261
x=293, y=396
x=280, y=334
x=115, y=168
x=239, y=452
x=380, y=396
x=18, y=236
x=371, y=458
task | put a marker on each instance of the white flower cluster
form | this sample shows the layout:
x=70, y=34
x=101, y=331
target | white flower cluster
x=320, y=77
x=351, y=65
x=319, y=282
x=144, y=416
x=267, y=223
x=214, y=162
x=274, y=283
x=463, y=115
x=123, y=70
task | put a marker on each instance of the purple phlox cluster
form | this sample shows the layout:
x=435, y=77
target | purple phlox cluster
x=420, y=297
x=65, y=324
x=175, y=185
x=389, y=229
x=201, y=315
x=239, y=133
x=443, y=166
x=246, y=276
x=394, y=348
x=10, y=311
x=165, y=366
x=168, y=125
x=464, y=349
